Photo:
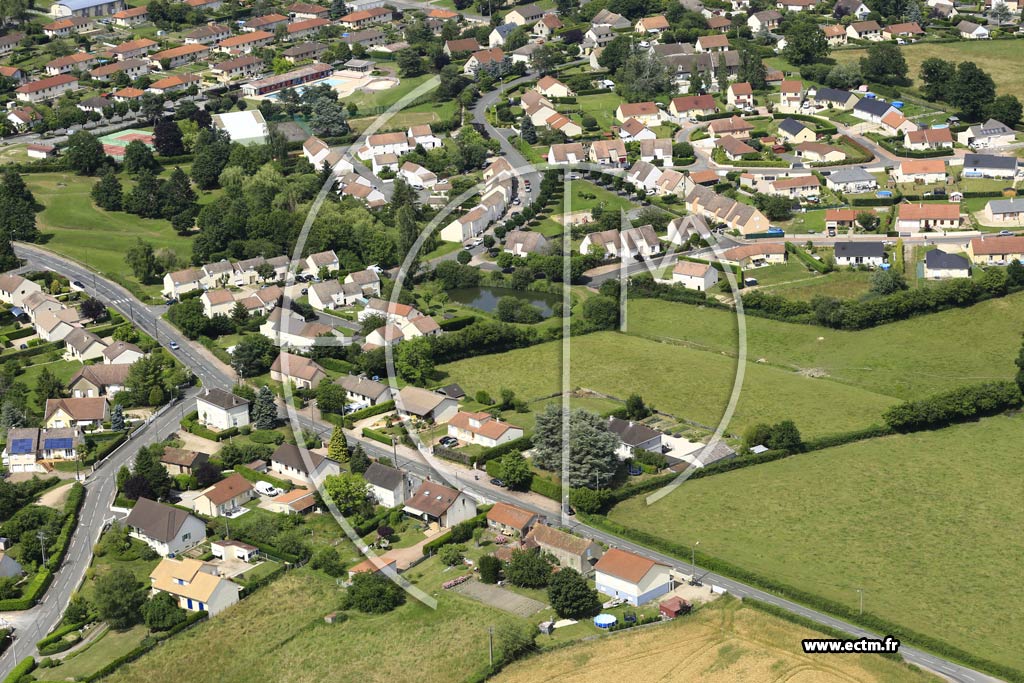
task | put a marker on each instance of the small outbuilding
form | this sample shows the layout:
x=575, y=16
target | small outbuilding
x=673, y=607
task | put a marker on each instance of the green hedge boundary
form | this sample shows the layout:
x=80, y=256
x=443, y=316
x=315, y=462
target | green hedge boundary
x=806, y=258
x=459, y=533
x=370, y=411
x=23, y=668
x=866, y=620
x=55, y=642
x=254, y=476
x=379, y=437
x=153, y=641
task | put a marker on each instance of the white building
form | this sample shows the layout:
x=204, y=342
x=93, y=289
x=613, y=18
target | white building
x=630, y=577
x=166, y=529
x=195, y=585
x=220, y=410
x=700, y=277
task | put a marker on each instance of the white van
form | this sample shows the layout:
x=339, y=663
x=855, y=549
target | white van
x=265, y=488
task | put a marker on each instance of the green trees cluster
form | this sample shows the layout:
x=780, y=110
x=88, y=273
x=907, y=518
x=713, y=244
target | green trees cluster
x=957, y=405
x=969, y=88
x=593, y=462
x=781, y=436
x=373, y=593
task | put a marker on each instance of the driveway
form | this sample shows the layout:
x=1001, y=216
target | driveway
x=500, y=598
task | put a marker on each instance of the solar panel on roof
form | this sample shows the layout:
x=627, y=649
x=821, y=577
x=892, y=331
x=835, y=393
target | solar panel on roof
x=19, y=446
x=57, y=444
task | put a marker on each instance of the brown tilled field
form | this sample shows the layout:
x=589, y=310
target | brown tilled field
x=724, y=642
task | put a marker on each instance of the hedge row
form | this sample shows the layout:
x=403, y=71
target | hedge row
x=851, y=614
x=957, y=405
x=76, y=496
x=545, y=487
x=262, y=581
x=459, y=533
x=336, y=365
x=148, y=644
x=23, y=668
x=370, y=411
x=56, y=642
x=32, y=351
x=457, y=323
x=254, y=476
x=523, y=443
x=833, y=440
x=190, y=424
x=36, y=586
x=822, y=127
x=20, y=334
x=806, y=258
x=380, y=437
x=901, y=151
x=374, y=522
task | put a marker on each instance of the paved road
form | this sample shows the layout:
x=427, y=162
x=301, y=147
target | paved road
x=512, y=153
x=212, y=373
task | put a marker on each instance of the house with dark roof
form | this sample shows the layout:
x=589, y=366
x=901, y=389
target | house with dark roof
x=795, y=132
x=27, y=448
x=292, y=462
x=870, y=109
x=940, y=265
x=859, y=253
x=182, y=461
x=363, y=391
x=434, y=502
x=389, y=486
x=992, y=133
x=836, y=99
x=166, y=529
x=989, y=166
x=219, y=409
x=634, y=435
x=851, y=180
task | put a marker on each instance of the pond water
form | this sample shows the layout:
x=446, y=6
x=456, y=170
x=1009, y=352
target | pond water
x=486, y=298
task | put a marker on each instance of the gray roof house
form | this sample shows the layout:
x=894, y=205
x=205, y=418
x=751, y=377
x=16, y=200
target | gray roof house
x=851, y=180
x=634, y=435
x=166, y=529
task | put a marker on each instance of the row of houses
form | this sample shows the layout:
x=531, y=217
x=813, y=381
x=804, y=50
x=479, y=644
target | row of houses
x=244, y=273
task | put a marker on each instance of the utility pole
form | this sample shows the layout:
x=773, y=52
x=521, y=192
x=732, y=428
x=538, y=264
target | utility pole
x=693, y=561
x=394, y=452
x=490, y=644
x=41, y=535
x=861, y=592
x=227, y=531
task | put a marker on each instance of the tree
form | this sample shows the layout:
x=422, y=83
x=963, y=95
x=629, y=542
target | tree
x=490, y=569
x=885, y=282
x=79, y=610
x=337, y=447
x=884, y=63
x=357, y=460
x=514, y=640
x=972, y=91
x=211, y=156
x=602, y=312
x=142, y=261
x=774, y=207
x=331, y=397
x=642, y=77
x=515, y=471
x=264, y=409
x=373, y=593
x=805, y=43
x=414, y=360
x=93, y=309
x=206, y=474
x=592, y=447
x=464, y=257
x=167, y=138
x=177, y=197
x=528, y=569
x=144, y=199
x=937, y=78
x=867, y=220
x=48, y=385
x=119, y=598
x=1000, y=14
x=84, y=154
x=117, y=418
x=328, y=561
x=410, y=64
x=636, y=409
x=1006, y=108
x=571, y=596
x=137, y=157
x=527, y=131
x=108, y=193
x=785, y=437
x=451, y=554
x=350, y=492
x=615, y=53
x=253, y=355
x=161, y=612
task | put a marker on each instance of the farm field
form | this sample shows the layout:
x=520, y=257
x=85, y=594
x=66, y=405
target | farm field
x=683, y=381
x=73, y=226
x=894, y=360
x=723, y=641
x=927, y=524
x=301, y=648
x=1003, y=60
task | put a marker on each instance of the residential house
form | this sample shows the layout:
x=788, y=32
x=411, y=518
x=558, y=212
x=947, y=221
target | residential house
x=549, y=86
x=700, y=277
x=817, y=152
x=305, y=28
x=433, y=502
x=572, y=552
x=76, y=61
x=632, y=578
x=178, y=56
x=98, y=380
x=713, y=43
x=492, y=60
x=22, y=118
x=229, y=549
x=735, y=215
x=207, y=35
x=264, y=23
x=225, y=497
x=796, y=186
x=46, y=88
x=908, y=29
x=791, y=95
x=121, y=353
x=920, y=171
x=646, y=113
x=596, y=37
x=768, y=20
x=634, y=436
x=968, y=30
x=423, y=136
x=659, y=150
x=755, y=255
x=864, y=254
x=368, y=280
x=131, y=17
x=310, y=50
x=851, y=180
x=871, y=110
x=734, y=149
x=795, y=132
x=27, y=447
x=992, y=133
x=37, y=303
x=681, y=229
x=426, y=405
x=851, y=8
x=566, y=153
x=608, y=153
x=524, y=15
x=166, y=529
x=220, y=410
x=466, y=226
x=864, y=30
x=989, y=166
x=928, y=138
x=841, y=218
x=740, y=95
x=132, y=68
x=302, y=372
x=334, y=294
x=195, y=585
x=522, y=243
x=610, y=19
x=796, y=5
x=305, y=10
x=82, y=345
x=548, y=26
x=633, y=130
x=460, y=46
x=1005, y=211
x=734, y=126
x=510, y=520
x=179, y=461
x=482, y=429
x=316, y=263
x=62, y=28
x=911, y=218
x=364, y=392
x=993, y=250
x=835, y=34
x=833, y=99
x=9, y=567
x=682, y=108
x=288, y=460
x=388, y=486
x=651, y=25
x=14, y=289
x=940, y=265
x=89, y=413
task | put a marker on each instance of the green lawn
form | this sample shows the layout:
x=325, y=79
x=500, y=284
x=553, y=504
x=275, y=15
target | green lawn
x=927, y=524
x=61, y=368
x=667, y=376
x=99, y=653
x=790, y=271
x=841, y=284
x=279, y=631
x=74, y=227
x=906, y=359
x=586, y=195
x=602, y=107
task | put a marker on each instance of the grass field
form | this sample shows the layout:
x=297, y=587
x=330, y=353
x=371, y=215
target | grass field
x=841, y=284
x=602, y=107
x=927, y=524
x=586, y=195
x=99, y=653
x=61, y=368
x=75, y=227
x=907, y=359
x=723, y=642
x=1002, y=59
x=689, y=383
x=279, y=632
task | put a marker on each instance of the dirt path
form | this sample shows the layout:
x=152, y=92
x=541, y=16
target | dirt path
x=55, y=497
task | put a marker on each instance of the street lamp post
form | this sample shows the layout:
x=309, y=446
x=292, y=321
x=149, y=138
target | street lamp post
x=394, y=451
x=693, y=561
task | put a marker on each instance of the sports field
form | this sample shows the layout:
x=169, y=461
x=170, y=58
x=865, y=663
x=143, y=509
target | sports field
x=725, y=642
x=927, y=524
x=911, y=358
x=684, y=381
x=278, y=635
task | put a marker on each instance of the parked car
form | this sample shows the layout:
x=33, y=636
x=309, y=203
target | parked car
x=498, y=482
x=173, y=345
x=448, y=441
x=1005, y=233
x=77, y=286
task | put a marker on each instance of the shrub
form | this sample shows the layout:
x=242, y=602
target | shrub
x=958, y=405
